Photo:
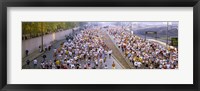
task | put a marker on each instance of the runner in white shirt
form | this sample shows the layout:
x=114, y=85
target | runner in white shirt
x=53, y=66
x=136, y=64
x=35, y=63
x=43, y=65
x=139, y=64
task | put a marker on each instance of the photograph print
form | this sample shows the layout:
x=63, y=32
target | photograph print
x=100, y=45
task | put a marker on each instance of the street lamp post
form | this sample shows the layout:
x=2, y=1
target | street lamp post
x=166, y=32
x=168, y=24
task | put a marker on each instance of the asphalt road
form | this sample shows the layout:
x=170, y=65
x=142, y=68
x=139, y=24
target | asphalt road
x=49, y=55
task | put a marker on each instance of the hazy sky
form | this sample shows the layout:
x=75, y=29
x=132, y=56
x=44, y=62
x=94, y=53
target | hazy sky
x=157, y=23
x=144, y=23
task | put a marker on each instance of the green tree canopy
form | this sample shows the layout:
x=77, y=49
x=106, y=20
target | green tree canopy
x=35, y=28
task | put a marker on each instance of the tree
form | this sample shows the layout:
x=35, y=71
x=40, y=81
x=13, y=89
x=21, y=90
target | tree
x=34, y=29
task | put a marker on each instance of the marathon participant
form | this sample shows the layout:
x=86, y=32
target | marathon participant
x=144, y=54
x=86, y=50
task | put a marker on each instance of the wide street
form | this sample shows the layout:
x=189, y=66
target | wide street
x=100, y=45
x=49, y=55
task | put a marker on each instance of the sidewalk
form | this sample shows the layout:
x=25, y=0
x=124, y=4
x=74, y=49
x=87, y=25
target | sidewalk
x=34, y=55
x=31, y=57
x=38, y=56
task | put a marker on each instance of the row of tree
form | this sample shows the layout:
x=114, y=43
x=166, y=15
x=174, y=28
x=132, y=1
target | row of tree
x=35, y=29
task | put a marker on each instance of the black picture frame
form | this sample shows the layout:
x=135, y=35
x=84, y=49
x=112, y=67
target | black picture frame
x=100, y=3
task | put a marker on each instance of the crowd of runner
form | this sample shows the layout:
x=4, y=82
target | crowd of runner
x=143, y=53
x=87, y=50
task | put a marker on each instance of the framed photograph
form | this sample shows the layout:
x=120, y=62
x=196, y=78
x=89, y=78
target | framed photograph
x=88, y=45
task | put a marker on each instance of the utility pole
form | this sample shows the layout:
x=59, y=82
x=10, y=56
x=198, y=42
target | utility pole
x=145, y=35
x=167, y=33
x=42, y=34
x=156, y=35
